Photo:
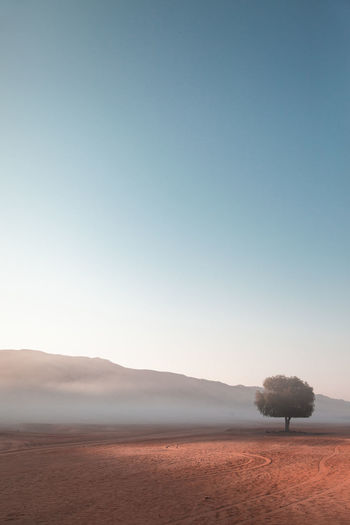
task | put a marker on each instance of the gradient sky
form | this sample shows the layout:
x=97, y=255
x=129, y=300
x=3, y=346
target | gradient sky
x=174, y=185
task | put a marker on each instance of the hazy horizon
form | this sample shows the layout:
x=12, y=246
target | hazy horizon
x=174, y=186
x=145, y=369
x=65, y=354
x=37, y=387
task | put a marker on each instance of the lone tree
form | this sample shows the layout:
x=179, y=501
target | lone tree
x=285, y=397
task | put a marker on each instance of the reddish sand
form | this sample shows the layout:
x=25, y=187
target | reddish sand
x=150, y=476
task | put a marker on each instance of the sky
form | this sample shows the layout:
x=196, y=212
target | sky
x=174, y=185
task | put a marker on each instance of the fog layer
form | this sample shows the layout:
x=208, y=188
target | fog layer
x=36, y=387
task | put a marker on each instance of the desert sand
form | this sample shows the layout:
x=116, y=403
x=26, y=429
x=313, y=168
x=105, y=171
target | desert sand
x=146, y=475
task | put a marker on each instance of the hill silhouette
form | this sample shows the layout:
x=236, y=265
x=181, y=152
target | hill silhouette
x=45, y=388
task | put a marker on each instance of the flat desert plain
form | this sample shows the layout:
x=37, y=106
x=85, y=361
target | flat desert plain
x=169, y=476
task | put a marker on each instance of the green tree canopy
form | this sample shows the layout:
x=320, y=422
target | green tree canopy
x=285, y=397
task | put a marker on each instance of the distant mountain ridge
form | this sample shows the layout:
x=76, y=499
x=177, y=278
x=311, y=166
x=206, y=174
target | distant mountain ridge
x=37, y=387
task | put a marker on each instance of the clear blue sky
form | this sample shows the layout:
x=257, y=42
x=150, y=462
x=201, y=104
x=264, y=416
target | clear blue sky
x=175, y=185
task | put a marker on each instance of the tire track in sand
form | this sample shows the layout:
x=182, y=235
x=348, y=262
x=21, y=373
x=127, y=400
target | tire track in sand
x=240, y=468
x=322, y=468
x=58, y=446
x=266, y=461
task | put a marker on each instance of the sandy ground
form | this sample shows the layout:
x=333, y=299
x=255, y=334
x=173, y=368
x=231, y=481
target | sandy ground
x=147, y=475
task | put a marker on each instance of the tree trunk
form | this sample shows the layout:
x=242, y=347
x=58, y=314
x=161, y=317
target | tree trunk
x=286, y=423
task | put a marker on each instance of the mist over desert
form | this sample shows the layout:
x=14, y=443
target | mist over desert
x=85, y=441
x=47, y=388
